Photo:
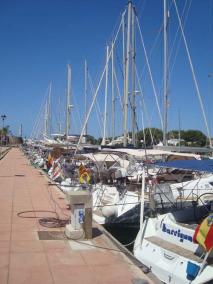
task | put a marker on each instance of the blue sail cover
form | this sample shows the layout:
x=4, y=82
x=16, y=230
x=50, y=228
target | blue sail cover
x=191, y=165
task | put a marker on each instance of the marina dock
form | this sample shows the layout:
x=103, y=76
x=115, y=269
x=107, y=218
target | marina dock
x=37, y=254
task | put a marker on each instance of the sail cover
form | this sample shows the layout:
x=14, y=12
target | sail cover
x=190, y=165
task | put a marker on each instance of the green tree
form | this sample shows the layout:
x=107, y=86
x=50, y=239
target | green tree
x=194, y=138
x=174, y=134
x=150, y=133
x=5, y=131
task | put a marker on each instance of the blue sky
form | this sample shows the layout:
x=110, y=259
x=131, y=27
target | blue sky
x=39, y=38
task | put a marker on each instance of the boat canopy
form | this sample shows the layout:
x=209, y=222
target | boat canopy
x=191, y=165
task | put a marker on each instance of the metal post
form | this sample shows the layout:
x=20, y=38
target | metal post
x=126, y=78
x=3, y=117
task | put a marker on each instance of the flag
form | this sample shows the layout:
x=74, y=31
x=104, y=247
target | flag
x=49, y=160
x=56, y=171
x=84, y=176
x=204, y=233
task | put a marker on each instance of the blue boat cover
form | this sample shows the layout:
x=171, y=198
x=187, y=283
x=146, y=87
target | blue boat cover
x=191, y=165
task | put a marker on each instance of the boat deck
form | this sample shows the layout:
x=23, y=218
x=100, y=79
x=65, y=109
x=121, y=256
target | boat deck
x=174, y=248
x=32, y=253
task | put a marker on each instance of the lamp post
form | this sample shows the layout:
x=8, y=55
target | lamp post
x=3, y=117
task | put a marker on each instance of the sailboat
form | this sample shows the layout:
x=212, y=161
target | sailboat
x=165, y=244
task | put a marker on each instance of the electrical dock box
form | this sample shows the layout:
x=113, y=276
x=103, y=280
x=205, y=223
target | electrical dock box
x=81, y=214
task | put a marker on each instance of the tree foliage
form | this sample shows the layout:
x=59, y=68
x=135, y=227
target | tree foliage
x=5, y=130
x=191, y=137
x=194, y=138
x=152, y=136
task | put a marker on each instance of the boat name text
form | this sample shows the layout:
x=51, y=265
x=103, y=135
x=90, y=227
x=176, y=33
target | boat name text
x=177, y=233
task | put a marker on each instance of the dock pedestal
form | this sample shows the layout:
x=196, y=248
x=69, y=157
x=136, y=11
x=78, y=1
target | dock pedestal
x=81, y=215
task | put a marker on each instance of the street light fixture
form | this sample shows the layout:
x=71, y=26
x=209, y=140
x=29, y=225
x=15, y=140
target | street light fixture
x=3, y=117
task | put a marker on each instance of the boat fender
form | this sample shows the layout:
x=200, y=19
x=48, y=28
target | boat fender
x=109, y=211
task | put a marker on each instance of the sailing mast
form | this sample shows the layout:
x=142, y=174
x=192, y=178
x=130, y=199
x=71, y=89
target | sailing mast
x=133, y=80
x=59, y=115
x=126, y=78
x=106, y=96
x=47, y=112
x=165, y=81
x=20, y=130
x=113, y=96
x=85, y=98
x=69, y=106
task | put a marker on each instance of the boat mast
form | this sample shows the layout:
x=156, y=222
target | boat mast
x=106, y=96
x=85, y=98
x=124, y=62
x=193, y=75
x=21, y=130
x=49, y=108
x=46, y=119
x=133, y=79
x=113, y=96
x=68, y=107
x=59, y=115
x=179, y=128
x=165, y=81
x=47, y=112
x=126, y=78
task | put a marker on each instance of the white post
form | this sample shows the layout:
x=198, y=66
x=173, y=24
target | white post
x=142, y=198
x=126, y=78
x=165, y=82
x=106, y=96
x=204, y=262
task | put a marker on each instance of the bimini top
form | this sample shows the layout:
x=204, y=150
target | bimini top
x=191, y=165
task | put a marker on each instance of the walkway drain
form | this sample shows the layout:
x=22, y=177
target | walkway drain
x=50, y=235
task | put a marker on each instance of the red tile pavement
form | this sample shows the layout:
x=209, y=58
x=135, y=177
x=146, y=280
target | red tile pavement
x=24, y=259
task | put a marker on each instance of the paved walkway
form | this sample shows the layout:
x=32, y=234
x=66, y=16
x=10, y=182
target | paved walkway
x=25, y=259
